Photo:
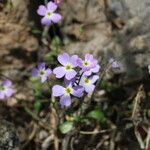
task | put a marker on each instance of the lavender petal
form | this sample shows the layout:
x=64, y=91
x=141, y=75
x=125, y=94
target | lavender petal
x=78, y=91
x=7, y=83
x=94, y=78
x=9, y=92
x=48, y=72
x=55, y=17
x=51, y=7
x=89, y=88
x=41, y=10
x=34, y=72
x=63, y=58
x=59, y=72
x=41, y=65
x=88, y=57
x=2, y=95
x=65, y=101
x=43, y=78
x=71, y=74
x=46, y=21
x=57, y=90
x=73, y=60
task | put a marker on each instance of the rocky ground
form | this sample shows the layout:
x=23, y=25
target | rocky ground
x=106, y=28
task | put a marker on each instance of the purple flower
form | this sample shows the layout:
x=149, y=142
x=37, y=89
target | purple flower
x=41, y=72
x=48, y=14
x=67, y=69
x=149, y=68
x=65, y=93
x=88, y=83
x=114, y=64
x=6, y=89
x=88, y=63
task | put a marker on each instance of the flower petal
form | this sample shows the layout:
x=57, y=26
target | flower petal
x=68, y=82
x=80, y=62
x=41, y=65
x=59, y=72
x=34, y=72
x=48, y=72
x=9, y=92
x=46, y=21
x=65, y=101
x=78, y=91
x=41, y=10
x=88, y=57
x=2, y=95
x=57, y=90
x=89, y=88
x=96, y=69
x=70, y=74
x=73, y=60
x=94, y=78
x=7, y=83
x=88, y=73
x=114, y=63
x=55, y=17
x=51, y=6
x=63, y=58
x=43, y=78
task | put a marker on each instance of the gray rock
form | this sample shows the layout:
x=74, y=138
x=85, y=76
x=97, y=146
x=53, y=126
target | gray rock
x=128, y=43
x=8, y=138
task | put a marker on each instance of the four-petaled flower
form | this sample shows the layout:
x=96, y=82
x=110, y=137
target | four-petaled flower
x=41, y=72
x=48, y=14
x=6, y=89
x=67, y=70
x=114, y=63
x=88, y=63
x=88, y=83
x=65, y=93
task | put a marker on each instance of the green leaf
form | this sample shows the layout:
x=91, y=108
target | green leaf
x=37, y=105
x=56, y=43
x=82, y=29
x=97, y=115
x=77, y=118
x=148, y=113
x=51, y=57
x=36, y=31
x=66, y=127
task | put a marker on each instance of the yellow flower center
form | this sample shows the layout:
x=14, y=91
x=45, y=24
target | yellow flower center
x=86, y=63
x=42, y=72
x=49, y=14
x=68, y=90
x=68, y=67
x=86, y=81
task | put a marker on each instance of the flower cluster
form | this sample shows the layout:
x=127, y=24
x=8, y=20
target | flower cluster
x=48, y=13
x=6, y=89
x=79, y=75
